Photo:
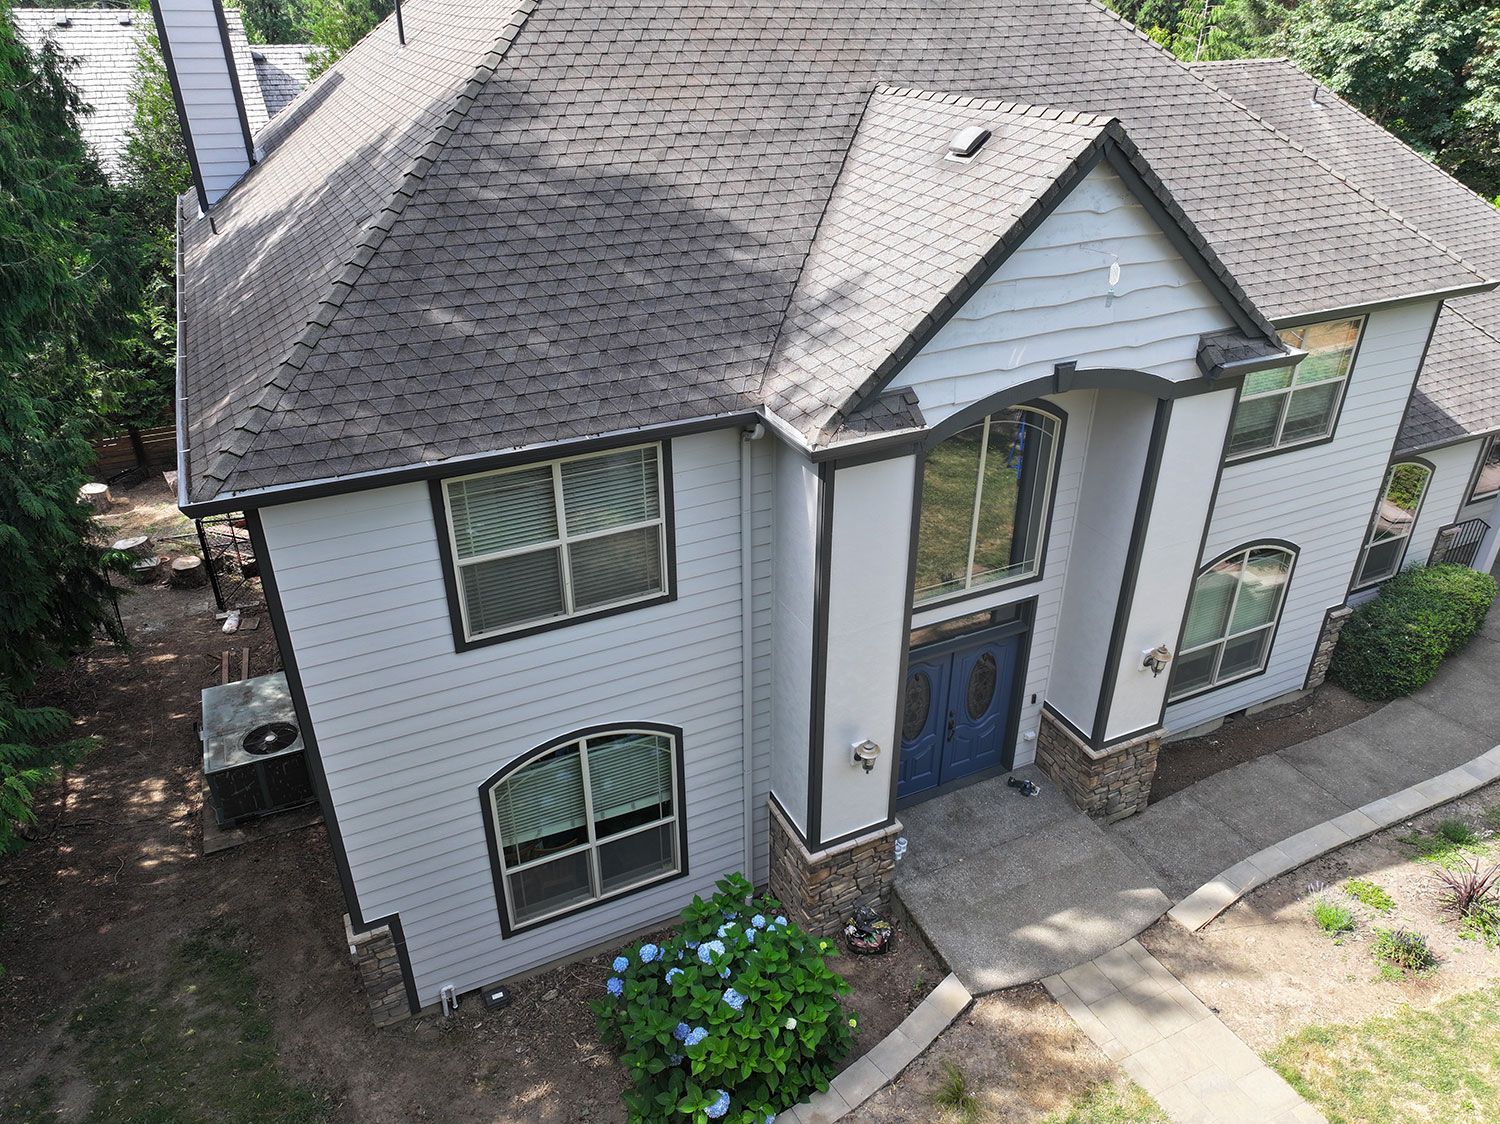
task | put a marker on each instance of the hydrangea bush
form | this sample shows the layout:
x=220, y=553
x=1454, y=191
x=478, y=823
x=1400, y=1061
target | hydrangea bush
x=734, y=1018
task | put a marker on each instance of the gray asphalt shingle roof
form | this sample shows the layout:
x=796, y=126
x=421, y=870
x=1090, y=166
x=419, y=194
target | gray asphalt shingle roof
x=1458, y=393
x=611, y=218
x=105, y=45
x=281, y=69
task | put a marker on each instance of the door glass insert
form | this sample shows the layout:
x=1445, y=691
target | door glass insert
x=918, y=705
x=982, y=681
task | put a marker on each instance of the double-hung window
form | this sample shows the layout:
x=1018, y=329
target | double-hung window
x=1290, y=406
x=1231, y=619
x=1395, y=518
x=548, y=542
x=1487, y=478
x=584, y=821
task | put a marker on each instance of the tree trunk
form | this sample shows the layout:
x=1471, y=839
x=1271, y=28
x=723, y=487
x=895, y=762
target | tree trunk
x=188, y=573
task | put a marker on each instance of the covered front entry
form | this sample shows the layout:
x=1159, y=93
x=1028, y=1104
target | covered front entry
x=960, y=707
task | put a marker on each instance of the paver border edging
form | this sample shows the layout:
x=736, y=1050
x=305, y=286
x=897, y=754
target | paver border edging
x=872, y=1072
x=1215, y=896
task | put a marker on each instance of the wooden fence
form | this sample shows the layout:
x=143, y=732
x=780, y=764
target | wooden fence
x=114, y=455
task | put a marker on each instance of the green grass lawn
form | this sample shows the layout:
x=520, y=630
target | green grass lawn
x=1441, y=1064
x=1112, y=1103
x=193, y=1045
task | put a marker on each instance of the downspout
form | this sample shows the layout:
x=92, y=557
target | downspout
x=178, y=368
x=747, y=638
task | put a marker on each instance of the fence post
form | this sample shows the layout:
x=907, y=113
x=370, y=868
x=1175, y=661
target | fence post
x=208, y=564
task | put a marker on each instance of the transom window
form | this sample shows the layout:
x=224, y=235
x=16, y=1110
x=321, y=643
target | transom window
x=1289, y=406
x=551, y=541
x=1487, y=479
x=586, y=821
x=1395, y=517
x=1231, y=618
x=984, y=504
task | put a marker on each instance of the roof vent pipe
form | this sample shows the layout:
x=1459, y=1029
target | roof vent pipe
x=967, y=141
x=195, y=46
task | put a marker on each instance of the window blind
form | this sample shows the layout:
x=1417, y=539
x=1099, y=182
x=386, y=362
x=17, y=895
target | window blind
x=502, y=512
x=629, y=774
x=541, y=799
x=610, y=491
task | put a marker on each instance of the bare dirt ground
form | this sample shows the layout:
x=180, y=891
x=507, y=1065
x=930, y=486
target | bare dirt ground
x=1269, y=971
x=1246, y=737
x=116, y=880
x=1021, y=1057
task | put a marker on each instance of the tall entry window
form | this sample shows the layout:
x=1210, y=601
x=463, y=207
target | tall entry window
x=985, y=492
x=1395, y=517
x=1289, y=406
x=585, y=821
x=1231, y=618
x=1487, y=478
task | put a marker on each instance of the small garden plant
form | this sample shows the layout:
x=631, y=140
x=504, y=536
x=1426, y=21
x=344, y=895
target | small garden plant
x=954, y=1095
x=735, y=1018
x=1471, y=896
x=1403, y=950
x=1451, y=846
x=1369, y=894
x=1332, y=918
x=1395, y=643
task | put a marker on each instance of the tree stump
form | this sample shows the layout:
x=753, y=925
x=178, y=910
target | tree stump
x=95, y=496
x=188, y=573
x=144, y=571
x=138, y=545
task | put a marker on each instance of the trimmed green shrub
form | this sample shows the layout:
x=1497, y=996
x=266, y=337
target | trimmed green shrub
x=734, y=1018
x=1333, y=919
x=1395, y=643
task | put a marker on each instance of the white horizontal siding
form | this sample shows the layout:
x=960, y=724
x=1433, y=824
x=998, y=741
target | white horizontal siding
x=1052, y=301
x=206, y=80
x=409, y=729
x=1452, y=472
x=1319, y=498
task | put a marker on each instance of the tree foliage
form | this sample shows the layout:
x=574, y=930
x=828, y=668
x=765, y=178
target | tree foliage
x=1428, y=70
x=336, y=25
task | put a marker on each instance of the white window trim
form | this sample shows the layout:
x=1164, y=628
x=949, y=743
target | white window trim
x=1277, y=445
x=596, y=881
x=562, y=543
x=970, y=587
x=1490, y=443
x=1222, y=642
x=1362, y=582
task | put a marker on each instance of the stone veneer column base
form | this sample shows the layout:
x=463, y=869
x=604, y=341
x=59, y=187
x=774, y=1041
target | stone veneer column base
x=819, y=891
x=375, y=956
x=1328, y=640
x=1109, y=786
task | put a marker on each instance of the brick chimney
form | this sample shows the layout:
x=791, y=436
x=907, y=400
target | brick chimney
x=200, y=63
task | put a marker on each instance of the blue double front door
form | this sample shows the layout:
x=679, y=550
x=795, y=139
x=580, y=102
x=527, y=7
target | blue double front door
x=956, y=712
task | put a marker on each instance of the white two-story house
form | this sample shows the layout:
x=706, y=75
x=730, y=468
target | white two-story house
x=677, y=436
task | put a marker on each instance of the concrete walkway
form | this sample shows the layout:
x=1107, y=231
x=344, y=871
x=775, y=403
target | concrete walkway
x=1172, y=1045
x=1194, y=834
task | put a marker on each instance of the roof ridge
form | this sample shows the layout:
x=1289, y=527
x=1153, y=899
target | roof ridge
x=1354, y=109
x=365, y=246
x=1449, y=306
x=997, y=105
x=1260, y=60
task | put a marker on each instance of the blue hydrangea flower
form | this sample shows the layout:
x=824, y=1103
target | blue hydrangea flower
x=673, y=973
x=615, y=986
x=781, y=920
x=723, y=973
x=719, y=1107
x=734, y=999
x=682, y=1031
x=674, y=1059
x=695, y=1036
x=649, y=952
x=621, y=963
x=770, y=1118
x=750, y=935
x=759, y=920
x=707, y=950
x=724, y=929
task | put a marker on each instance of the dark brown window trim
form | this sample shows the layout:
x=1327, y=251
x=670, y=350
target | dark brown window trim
x=461, y=641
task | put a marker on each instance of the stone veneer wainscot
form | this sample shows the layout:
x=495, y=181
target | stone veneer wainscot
x=1108, y=785
x=819, y=891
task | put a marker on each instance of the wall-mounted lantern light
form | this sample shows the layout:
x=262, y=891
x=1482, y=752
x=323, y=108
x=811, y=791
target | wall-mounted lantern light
x=1156, y=659
x=864, y=754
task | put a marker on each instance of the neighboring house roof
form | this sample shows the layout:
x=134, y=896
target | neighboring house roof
x=1458, y=393
x=281, y=70
x=473, y=244
x=105, y=43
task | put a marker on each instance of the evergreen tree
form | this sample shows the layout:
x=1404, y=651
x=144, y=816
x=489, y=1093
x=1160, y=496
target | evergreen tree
x=336, y=25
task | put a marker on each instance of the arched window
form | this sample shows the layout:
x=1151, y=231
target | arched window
x=1395, y=516
x=1231, y=618
x=583, y=820
x=985, y=492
